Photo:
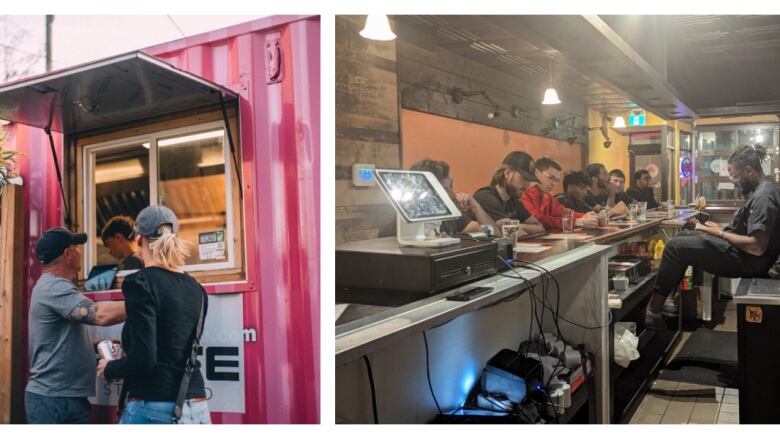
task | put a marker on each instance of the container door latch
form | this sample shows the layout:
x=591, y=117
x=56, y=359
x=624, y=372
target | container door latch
x=273, y=55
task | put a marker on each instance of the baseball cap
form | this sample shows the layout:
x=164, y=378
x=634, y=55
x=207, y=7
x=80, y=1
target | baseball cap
x=523, y=163
x=54, y=242
x=151, y=218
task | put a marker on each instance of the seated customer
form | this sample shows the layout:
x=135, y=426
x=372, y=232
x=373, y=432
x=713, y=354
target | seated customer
x=601, y=193
x=501, y=198
x=575, y=184
x=642, y=190
x=117, y=236
x=543, y=206
x=747, y=247
x=473, y=214
x=618, y=178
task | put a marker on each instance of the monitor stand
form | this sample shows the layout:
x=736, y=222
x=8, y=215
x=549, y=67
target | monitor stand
x=413, y=234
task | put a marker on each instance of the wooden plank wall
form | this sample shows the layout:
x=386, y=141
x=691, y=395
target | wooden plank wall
x=11, y=296
x=367, y=127
x=374, y=79
x=428, y=73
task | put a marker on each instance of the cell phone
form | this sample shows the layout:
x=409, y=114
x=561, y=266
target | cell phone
x=467, y=295
x=703, y=217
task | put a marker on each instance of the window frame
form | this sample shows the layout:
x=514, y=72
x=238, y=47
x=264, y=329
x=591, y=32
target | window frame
x=89, y=151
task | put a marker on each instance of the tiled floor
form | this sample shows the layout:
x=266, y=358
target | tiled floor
x=670, y=402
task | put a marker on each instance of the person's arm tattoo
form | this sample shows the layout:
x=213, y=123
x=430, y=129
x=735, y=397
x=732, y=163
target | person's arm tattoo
x=84, y=312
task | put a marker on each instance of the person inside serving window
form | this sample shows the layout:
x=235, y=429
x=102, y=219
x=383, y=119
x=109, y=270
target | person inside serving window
x=117, y=236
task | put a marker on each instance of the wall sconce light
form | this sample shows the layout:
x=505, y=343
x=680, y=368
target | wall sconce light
x=458, y=94
x=550, y=95
x=377, y=28
x=619, y=122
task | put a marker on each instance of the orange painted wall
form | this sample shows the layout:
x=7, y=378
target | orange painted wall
x=475, y=151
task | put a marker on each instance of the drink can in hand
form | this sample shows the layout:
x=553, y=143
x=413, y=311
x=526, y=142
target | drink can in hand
x=109, y=350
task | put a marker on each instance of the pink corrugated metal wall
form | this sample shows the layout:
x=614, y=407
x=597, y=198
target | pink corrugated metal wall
x=279, y=136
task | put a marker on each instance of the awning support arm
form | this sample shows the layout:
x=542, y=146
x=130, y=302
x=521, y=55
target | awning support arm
x=230, y=142
x=47, y=130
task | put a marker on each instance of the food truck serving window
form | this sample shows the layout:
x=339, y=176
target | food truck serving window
x=183, y=169
x=138, y=131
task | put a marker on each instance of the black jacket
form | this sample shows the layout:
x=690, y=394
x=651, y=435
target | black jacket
x=162, y=312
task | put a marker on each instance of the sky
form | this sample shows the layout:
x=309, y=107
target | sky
x=80, y=38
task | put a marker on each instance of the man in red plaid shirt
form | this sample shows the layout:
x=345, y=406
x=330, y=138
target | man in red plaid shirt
x=543, y=206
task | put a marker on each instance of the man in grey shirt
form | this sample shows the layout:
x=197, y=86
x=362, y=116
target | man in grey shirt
x=62, y=358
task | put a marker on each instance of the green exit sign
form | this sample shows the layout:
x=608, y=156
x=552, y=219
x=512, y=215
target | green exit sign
x=636, y=118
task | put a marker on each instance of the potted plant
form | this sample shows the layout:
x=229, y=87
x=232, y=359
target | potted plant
x=8, y=165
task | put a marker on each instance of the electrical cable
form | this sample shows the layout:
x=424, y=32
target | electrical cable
x=428, y=373
x=373, y=391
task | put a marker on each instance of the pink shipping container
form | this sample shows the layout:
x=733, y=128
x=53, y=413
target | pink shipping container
x=272, y=67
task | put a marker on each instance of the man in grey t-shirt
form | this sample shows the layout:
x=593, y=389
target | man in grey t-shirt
x=62, y=358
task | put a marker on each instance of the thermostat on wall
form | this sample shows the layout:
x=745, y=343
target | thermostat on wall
x=363, y=174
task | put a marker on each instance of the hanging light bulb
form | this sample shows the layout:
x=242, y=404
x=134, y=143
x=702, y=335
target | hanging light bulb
x=550, y=95
x=377, y=28
x=619, y=122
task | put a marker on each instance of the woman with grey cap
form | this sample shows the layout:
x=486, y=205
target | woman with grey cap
x=166, y=308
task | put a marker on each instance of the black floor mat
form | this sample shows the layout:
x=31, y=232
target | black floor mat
x=709, y=347
x=713, y=376
x=708, y=357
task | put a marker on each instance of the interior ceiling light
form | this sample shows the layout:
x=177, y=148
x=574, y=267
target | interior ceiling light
x=550, y=95
x=377, y=28
x=619, y=122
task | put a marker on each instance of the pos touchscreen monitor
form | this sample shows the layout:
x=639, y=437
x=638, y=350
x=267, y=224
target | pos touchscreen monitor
x=421, y=204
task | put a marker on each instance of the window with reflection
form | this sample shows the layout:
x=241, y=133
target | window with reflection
x=185, y=169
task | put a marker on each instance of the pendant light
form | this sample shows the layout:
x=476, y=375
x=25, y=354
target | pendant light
x=550, y=95
x=619, y=122
x=377, y=28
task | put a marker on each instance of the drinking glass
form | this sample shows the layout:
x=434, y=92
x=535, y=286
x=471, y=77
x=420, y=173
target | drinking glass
x=632, y=211
x=509, y=229
x=642, y=210
x=567, y=221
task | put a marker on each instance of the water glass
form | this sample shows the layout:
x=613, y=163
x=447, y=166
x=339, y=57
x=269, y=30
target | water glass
x=509, y=229
x=603, y=217
x=642, y=210
x=632, y=211
x=567, y=221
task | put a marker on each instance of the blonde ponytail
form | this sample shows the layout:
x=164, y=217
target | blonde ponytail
x=168, y=250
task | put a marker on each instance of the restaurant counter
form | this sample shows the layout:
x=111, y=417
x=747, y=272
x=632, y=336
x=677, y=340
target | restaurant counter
x=385, y=328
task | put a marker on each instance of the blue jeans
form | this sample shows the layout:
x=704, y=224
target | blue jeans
x=161, y=412
x=56, y=409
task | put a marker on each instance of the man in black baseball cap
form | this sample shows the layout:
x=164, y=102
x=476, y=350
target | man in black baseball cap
x=55, y=241
x=523, y=163
x=62, y=356
x=501, y=199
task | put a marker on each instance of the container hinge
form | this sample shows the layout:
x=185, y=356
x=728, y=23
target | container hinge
x=230, y=142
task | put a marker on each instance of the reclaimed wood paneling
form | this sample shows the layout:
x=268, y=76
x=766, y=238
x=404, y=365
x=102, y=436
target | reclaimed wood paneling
x=11, y=297
x=367, y=126
x=427, y=74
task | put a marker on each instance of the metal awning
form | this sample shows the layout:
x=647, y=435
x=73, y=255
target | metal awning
x=108, y=92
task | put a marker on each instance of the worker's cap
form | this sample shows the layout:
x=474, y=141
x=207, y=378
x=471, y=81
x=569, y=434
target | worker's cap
x=523, y=163
x=151, y=218
x=54, y=242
